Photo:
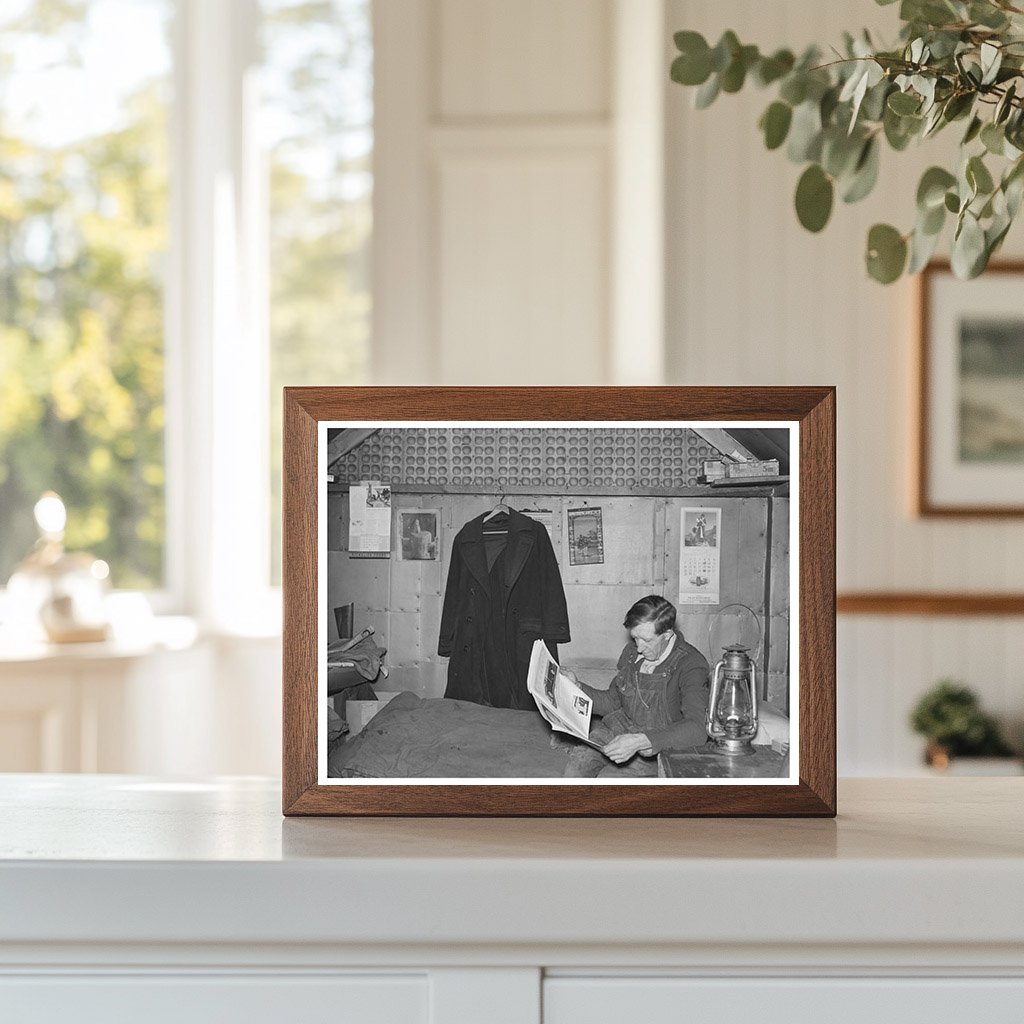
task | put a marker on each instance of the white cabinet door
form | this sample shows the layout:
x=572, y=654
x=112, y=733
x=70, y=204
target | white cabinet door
x=202, y=999
x=569, y=1000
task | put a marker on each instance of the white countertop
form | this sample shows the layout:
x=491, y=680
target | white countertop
x=123, y=859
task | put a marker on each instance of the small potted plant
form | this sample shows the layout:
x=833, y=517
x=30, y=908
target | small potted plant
x=951, y=719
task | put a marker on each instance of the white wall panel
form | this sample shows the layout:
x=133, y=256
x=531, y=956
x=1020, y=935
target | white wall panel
x=523, y=285
x=752, y=298
x=531, y=58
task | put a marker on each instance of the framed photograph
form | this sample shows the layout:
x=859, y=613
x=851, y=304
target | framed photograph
x=970, y=444
x=544, y=659
x=419, y=534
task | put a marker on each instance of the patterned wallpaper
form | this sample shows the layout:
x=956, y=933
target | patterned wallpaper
x=618, y=460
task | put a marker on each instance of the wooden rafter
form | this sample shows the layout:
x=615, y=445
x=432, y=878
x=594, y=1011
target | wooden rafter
x=345, y=442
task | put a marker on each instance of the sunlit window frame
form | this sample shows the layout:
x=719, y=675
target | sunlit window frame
x=216, y=313
x=217, y=350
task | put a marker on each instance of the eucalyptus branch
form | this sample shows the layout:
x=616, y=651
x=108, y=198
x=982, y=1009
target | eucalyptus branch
x=834, y=116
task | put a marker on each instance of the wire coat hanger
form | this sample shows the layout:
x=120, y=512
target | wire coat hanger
x=500, y=509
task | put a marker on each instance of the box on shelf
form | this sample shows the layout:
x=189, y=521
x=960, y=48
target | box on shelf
x=712, y=469
x=359, y=712
x=756, y=467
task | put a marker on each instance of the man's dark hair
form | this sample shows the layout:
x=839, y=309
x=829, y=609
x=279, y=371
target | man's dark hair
x=653, y=608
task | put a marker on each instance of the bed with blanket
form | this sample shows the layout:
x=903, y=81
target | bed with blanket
x=416, y=738
x=412, y=737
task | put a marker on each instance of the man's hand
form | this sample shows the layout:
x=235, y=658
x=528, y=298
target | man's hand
x=570, y=675
x=623, y=747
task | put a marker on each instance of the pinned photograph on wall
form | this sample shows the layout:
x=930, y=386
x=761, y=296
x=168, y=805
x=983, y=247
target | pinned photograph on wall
x=418, y=530
x=700, y=560
x=586, y=536
x=522, y=665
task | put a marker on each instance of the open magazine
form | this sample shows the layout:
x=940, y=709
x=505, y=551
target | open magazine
x=562, y=703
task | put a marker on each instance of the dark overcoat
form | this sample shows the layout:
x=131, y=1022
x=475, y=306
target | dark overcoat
x=528, y=603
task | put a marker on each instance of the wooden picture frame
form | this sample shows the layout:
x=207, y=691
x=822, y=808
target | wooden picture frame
x=969, y=448
x=807, y=413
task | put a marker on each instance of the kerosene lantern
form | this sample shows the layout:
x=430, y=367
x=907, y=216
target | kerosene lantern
x=732, y=705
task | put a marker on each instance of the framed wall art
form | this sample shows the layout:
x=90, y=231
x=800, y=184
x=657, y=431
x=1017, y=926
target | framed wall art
x=970, y=423
x=548, y=657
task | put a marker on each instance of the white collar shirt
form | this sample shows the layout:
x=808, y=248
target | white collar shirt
x=647, y=667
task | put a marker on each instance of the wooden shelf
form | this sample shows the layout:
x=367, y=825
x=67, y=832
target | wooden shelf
x=913, y=603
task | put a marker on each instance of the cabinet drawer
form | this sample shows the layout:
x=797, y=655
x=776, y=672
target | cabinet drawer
x=568, y=1000
x=224, y=999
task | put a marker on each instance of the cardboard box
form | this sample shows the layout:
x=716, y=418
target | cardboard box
x=359, y=712
x=765, y=467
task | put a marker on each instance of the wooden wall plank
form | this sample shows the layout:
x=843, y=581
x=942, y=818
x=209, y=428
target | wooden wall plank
x=403, y=599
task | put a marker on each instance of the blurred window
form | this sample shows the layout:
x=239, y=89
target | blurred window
x=86, y=118
x=85, y=93
x=317, y=128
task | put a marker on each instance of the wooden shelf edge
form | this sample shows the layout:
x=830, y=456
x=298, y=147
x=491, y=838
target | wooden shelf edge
x=912, y=603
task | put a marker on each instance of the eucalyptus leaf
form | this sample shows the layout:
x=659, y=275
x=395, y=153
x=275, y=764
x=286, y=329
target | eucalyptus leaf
x=886, y=253
x=1005, y=105
x=794, y=88
x=707, y=93
x=775, y=124
x=900, y=130
x=978, y=176
x=958, y=105
x=903, y=103
x=814, y=194
x=931, y=190
x=932, y=221
x=930, y=12
x=771, y=69
x=925, y=88
x=873, y=106
x=933, y=122
x=944, y=44
x=995, y=233
x=993, y=138
x=987, y=15
x=865, y=173
x=805, y=133
x=973, y=129
x=968, y=247
x=828, y=104
x=724, y=51
x=735, y=74
x=922, y=248
x=840, y=152
x=952, y=202
x=1014, y=191
x=991, y=60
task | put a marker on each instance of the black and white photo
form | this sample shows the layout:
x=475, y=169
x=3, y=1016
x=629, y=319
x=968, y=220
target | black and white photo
x=602, y=551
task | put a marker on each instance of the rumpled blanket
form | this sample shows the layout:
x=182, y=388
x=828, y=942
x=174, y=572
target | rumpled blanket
x=366, y=656
x=441, y=738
